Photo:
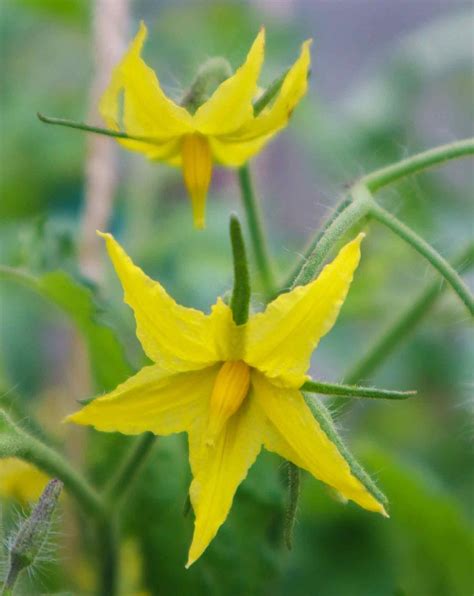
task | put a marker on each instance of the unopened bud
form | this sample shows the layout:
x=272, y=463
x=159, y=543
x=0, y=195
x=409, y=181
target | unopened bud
x=209, y=76
x=30, y=538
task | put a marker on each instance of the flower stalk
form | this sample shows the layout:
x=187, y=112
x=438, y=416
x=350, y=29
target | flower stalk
x=256, y=230
x=431, y=255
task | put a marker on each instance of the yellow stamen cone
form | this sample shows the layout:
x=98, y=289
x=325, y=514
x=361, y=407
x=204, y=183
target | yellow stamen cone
x=230, y=389
x=197, y=171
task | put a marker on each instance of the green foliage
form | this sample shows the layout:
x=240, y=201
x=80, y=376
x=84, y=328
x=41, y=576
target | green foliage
x=78, y=302
x=426, y=548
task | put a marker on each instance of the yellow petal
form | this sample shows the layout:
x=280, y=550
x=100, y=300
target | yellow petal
x=235, y=153
x=229, y=338
x=218, y=471
x=20, y=480
x=281, y=339
x=146, y=109
x=231, y=104
x=296, y=435
x=276, y=116
x=175, y=337
x=197, y=171
x=151, y=401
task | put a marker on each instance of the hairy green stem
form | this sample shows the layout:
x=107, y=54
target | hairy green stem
x=347, y=219
x=15, y=442
x=417, y=163
x=22, y=445
x=405, y=323
x=257, y=235
x=341, y=205
x=294, y=481
x=427, y=251
x=351, y=391
x=129, y=468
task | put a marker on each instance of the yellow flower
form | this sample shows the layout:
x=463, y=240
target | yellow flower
x=20, y=480
x=231, y=388
x=223, y=129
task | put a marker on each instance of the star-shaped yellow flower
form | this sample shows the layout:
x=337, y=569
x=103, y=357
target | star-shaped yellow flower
x=231, y=388
x=20, y=480
x=224, y=129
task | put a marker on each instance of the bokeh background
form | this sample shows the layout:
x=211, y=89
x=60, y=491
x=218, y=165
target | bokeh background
x=389, y=79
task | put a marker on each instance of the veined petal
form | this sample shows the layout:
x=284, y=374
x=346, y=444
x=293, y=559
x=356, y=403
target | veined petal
x=218, y=470
x=234, y=153
x=197, y=172
x=146, y=109
x=231, y=104
x=151, y=400
x=281, y=339
x=175, y=337
x=275, y=117
x=229, y=338
x=296, y=435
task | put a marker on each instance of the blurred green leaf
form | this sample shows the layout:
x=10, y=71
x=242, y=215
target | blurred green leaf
x=432, y=535
x=79, y=303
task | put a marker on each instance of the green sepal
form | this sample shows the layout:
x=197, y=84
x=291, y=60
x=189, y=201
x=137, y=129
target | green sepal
x=354, y=391
x=322, y=415
x=240, y=301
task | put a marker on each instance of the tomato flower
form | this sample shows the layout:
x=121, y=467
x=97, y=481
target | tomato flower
x=224, y=129
x=232, y=388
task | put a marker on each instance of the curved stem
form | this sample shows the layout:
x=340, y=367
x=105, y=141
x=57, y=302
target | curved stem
x=348, y=217
x=405, y=323
x=257, y=234
x=24, y=446
x=417, y=163
x=129, y=468
x=341, y=205
x=351, y=391
x=427, y=251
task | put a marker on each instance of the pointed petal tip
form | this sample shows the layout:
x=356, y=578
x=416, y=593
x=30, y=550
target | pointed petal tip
x=384, y=513
x=104, y=235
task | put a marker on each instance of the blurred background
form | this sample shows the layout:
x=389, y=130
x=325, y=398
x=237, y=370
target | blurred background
x=389, y=79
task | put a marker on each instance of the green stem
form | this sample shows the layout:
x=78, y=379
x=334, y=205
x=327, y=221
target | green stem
x=107, y=132
x=257, y=234
x=347, y=218
x=129, y=468
x=294, y=481
x=15, y=442
x=405, y=323
x=351, y=391
x=427, y=251
x=10, y=580
x=24, y=446
x=240, y=300
x=342, y=204
x=417, y=163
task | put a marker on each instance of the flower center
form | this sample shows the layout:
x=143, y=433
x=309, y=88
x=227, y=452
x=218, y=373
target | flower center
x=230, y=390
x=197, y=171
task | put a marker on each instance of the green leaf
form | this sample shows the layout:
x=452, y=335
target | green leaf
x=435, y=556
x=107, y=360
